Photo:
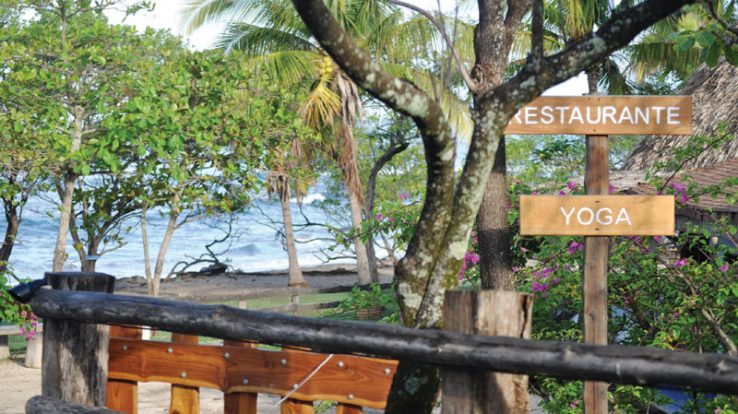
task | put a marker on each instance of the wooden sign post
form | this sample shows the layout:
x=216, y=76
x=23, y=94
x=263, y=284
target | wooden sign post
x=599, y=215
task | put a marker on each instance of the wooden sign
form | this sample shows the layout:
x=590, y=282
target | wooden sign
x=596, y=215
x=604, y=115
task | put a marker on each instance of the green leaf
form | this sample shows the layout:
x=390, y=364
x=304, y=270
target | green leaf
x=731, y=54
x=712, y=54
x=705, y=38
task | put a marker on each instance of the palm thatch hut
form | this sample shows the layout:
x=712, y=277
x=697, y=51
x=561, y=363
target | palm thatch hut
x=715, y=101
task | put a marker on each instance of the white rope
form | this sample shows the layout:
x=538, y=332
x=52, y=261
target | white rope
x=304, y=380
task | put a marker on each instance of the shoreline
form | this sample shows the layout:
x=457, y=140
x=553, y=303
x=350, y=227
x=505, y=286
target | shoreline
x=206, y=287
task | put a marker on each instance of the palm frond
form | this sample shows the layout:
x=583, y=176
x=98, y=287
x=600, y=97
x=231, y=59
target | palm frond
x=321, y=107
x=287, y=68
x=255, y=40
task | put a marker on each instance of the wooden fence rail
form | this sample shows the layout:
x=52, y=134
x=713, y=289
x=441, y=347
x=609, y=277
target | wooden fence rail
x=617, y=364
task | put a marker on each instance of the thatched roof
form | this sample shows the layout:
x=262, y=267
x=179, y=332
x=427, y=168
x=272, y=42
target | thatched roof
x=715, y=174
x=715, y=99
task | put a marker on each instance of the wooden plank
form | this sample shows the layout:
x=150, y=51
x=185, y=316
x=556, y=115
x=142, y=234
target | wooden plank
x=292, y=406
x=185, y=399
x=486, y=312
x=350, y=379
x=122, y=396
x=594, y=284
x=349, y=409
x=133, y=332
x=596, y=215
x=604, y=115
x=76, y=354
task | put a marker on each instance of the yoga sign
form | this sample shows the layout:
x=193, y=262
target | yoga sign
x=596, y=215
x=604, y=115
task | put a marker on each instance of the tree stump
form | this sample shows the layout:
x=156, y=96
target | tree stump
x=75, y=357
x=486, y=312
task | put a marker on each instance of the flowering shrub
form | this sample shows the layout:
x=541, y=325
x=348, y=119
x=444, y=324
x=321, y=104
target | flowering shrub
x=12, y=312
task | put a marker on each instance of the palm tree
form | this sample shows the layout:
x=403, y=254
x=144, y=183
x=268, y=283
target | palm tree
x=271, y=33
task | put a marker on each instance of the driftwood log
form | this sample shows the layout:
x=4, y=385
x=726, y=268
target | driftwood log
x=48, y=405
x=617, y=364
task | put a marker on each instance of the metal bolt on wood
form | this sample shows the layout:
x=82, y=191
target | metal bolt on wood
x=245, y=381
x=226, y=355
x=295, y=386
x=183, y=374
x=283, y=361
x=341, y=364
x=350, y=396
x=387, y=371
x=125, y=347
x=170, y=350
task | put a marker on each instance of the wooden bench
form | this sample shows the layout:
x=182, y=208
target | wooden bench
x=33, y=350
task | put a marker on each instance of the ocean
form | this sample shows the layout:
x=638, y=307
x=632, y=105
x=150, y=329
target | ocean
x=256, y=249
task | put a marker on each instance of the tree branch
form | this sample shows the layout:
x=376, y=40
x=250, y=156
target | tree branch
x=442, y=30
x=407, y=99
x=536, y=38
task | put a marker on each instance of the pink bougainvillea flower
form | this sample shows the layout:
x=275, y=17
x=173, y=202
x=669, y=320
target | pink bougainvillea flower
x=575, y=247
x=611, y=188
x=471, y=257
x=379, y=216
x=680, y=263
x=524, y=250
x=724, y=268
x=571, y=185
x=562, y=192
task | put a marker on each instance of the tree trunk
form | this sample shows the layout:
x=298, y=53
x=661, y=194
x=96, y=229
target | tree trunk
x=493, y=231
x=371, y=187
x=147, y=255
x=159, y=267
x=362, y=261
x=296, y=278
x=11, y=231
x=66, y=196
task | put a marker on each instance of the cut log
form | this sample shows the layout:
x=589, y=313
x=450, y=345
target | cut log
x=75, y=360
x=487, y=312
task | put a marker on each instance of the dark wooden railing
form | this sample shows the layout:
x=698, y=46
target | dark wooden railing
x=617, y=364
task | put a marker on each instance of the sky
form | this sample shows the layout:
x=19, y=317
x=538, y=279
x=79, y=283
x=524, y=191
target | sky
x=166, y=15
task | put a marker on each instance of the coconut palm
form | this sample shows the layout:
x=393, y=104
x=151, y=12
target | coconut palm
x=271, y=33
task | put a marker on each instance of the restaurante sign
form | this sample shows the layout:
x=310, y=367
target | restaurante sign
x=604, y=115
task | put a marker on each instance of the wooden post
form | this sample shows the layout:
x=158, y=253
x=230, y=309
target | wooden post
x=34, y=351
x=4, y=347
x=122, y=395
x=486, y=312
x=597, y=182
x=291, y=406
x=240, y=402
x=185, y=399
x=75, y=355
